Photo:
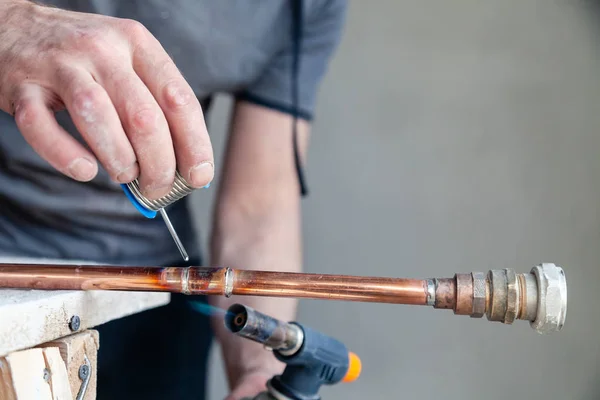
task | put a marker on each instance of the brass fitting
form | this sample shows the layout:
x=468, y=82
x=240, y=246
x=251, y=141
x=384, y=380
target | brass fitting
x=539, y=297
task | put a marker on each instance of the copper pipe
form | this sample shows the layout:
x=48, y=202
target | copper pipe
x=215, y=281
x=539, y=296
x=445, y=293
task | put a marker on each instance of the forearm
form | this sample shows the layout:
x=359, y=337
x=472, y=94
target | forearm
x=258, y=240
x=257, y=223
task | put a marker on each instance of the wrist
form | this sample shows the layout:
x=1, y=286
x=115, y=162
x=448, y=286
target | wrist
x=265, y=366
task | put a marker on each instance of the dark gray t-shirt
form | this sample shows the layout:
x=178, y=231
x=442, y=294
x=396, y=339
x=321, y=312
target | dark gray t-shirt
x=241, y=47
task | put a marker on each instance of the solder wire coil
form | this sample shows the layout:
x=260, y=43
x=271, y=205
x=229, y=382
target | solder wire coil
x=179, y=190
x=149, y=208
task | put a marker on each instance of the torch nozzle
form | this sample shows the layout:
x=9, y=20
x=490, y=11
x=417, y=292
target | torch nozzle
x=283, y=337
x=236, y=322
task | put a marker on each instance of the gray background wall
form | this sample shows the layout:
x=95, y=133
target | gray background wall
x=455, y=136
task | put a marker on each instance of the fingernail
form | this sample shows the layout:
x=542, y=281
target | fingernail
x=201, y=175
x=129, y=173
x=82, y=169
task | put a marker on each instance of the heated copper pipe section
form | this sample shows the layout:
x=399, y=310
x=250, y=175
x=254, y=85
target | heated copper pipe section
x=217, y=281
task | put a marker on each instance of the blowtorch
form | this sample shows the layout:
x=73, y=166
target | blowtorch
x=312, y=359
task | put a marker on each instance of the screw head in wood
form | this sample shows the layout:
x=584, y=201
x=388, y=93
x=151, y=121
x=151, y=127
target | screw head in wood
x=84, y=371
x=74, y=323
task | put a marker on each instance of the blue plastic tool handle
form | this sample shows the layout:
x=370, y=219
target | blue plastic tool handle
x=143, y=210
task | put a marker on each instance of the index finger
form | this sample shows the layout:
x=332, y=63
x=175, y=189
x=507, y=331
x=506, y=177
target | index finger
x=193, y=148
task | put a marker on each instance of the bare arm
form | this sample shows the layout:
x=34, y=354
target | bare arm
x=257, y=222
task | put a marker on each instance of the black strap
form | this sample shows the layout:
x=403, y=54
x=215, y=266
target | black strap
x=298, y=22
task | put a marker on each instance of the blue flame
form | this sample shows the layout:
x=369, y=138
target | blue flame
x=207, y=309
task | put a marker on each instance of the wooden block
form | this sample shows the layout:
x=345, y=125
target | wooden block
x=34, y=374
x=59, y=379
x=23, y=376
x=51, y=370
x=73, y=350
x=7, y=390
x=6, y=387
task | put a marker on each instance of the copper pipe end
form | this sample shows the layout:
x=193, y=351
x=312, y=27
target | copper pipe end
x=445, y=293
x=505, y=296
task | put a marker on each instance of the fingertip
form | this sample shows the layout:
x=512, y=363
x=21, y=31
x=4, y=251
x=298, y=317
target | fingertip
x=157, y=178
x=156, y=186
x=202, y=174
x=155, y=192
x=129, y=174
x=83, y=169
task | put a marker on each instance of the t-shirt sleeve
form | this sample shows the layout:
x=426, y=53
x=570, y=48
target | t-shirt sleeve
x=321, y=31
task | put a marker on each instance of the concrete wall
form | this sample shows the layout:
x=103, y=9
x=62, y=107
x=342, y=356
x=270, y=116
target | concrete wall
x=455, y=136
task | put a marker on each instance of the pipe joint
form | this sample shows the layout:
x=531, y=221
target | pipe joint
x=539, y=297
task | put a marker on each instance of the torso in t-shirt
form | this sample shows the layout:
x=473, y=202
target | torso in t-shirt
x=240, y=47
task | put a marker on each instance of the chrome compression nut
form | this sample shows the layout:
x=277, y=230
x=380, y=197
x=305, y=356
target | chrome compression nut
x=552, y=298
x=505, y=296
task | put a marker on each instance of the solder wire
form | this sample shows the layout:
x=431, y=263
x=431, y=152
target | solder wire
x=180, y=190
x=171, y=229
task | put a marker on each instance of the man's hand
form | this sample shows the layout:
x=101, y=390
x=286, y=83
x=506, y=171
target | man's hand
x=124, y=94
x=249, y=386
